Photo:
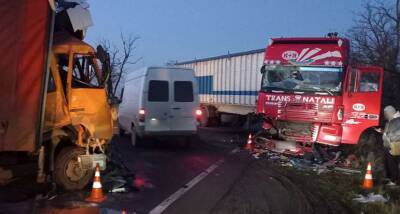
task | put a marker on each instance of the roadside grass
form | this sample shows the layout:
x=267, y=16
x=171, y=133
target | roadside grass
x=344, y=188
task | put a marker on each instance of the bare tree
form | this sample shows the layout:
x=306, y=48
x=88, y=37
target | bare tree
x=375, y=39
x=376, y=35
x=120, y=58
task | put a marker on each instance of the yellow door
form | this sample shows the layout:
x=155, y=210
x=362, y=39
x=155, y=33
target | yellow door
x=89, y=107
x=87, y=97
x=56, y=110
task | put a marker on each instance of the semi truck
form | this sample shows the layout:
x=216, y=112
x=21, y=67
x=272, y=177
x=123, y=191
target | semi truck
x=54, y=104
x=312, y=95
x=228, y=85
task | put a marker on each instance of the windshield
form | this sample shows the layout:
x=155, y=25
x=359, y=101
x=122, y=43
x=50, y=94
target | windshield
x=86, y=72
x=294, y=78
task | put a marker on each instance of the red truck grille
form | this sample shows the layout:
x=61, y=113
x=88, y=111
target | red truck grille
x=303, y=112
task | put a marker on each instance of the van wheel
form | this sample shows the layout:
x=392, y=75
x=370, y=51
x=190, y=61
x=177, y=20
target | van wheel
x=134, y=138
x=67, y=171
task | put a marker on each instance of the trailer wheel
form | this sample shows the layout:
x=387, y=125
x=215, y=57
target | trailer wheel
x=205, y=119
x=67, y=171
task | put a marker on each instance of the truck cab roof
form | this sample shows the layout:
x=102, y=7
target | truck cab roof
x=302, y=40
x=308, y=51
x=64, y=43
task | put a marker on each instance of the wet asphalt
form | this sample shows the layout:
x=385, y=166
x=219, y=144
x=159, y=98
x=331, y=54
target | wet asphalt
x=158, y=168
x=161, y=167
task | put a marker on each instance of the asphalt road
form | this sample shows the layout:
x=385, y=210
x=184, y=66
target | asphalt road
x=163, y=167
x=212, y=176
x=160, y=168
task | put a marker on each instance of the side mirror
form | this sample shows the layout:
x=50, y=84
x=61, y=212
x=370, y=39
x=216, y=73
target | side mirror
x=101, y=53
x=114, y=101
x=262, y=70
x=122, y=94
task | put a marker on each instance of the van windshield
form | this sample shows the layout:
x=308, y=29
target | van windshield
x=295, y=78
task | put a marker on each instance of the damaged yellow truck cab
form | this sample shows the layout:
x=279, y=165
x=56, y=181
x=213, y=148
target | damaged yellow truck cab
x=77, y=101
x=54, y=103
x=79, y=97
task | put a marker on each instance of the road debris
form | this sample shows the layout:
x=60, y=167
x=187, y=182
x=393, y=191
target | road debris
x=370, y=198
x=118, y=176
x=318, y=160
x=347, y=171
x=119, y=190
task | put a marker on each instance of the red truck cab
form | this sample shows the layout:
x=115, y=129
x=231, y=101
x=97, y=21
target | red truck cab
x=310, y=93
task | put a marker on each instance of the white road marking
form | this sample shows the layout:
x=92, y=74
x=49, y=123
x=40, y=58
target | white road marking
x=175, y=196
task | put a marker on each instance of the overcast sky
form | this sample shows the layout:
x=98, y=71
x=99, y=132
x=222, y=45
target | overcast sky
x=187, y=29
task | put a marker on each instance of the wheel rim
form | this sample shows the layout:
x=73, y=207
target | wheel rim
x=73, y=170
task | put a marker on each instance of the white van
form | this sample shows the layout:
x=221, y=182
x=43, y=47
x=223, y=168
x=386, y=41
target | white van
x=158, y=102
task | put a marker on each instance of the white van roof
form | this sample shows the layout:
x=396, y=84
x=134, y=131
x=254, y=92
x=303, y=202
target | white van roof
x=143, y=71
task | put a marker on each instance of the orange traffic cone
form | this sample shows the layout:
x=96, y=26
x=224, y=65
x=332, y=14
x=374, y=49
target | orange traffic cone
x=249, y=143
x=97, y=192
x=368, y=183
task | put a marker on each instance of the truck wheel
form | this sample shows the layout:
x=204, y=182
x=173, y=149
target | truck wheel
x=370, y=149
x=68, y=174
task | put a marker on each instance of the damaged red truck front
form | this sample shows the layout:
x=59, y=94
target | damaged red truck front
x=311, y=94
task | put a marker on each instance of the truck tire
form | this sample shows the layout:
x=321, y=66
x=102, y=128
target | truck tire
x=370, y=149
x=67, y=172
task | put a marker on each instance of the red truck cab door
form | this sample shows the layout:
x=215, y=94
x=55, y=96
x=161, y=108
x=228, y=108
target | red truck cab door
x=361, y=101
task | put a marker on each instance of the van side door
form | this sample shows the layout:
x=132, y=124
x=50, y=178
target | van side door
x=362, y=102
x=184, y=104
x=157, y=104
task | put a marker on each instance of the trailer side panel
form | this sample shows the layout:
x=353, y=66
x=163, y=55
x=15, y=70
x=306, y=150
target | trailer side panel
x=23, y=43
x=229, y=82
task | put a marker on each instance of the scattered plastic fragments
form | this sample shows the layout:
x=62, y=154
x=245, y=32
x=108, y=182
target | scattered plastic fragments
x=118, y=190
x=347, y=171
x=336, y=164
x=287, y=164
x=301, y=163
x=370, y=198
x=321, y=169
